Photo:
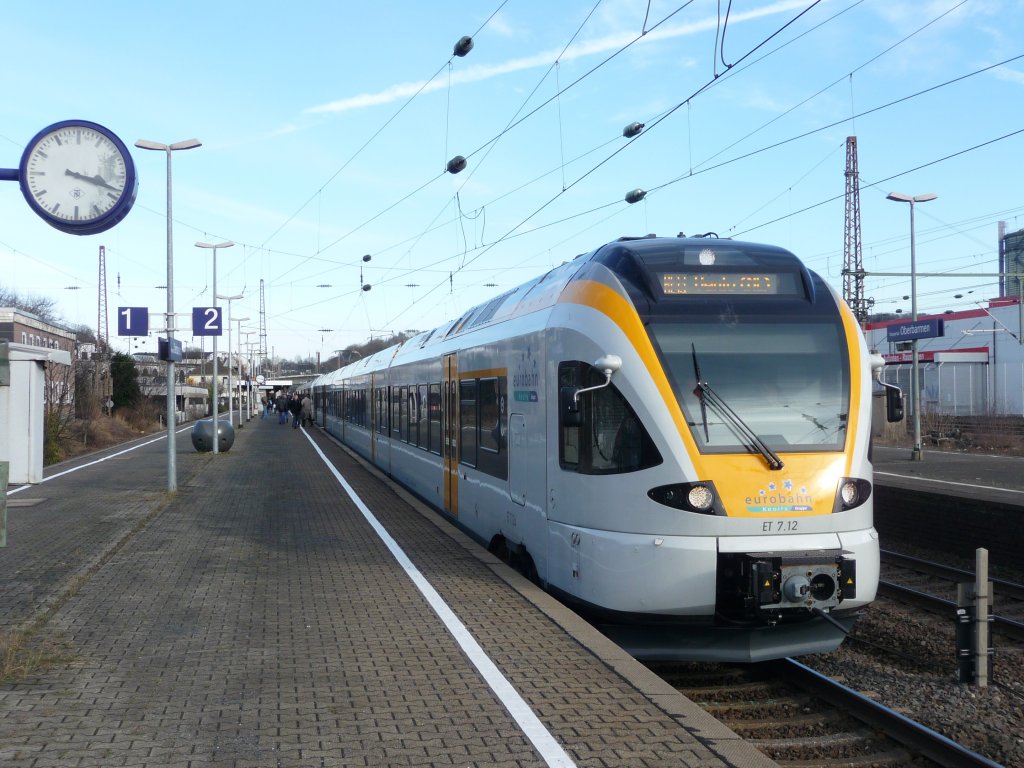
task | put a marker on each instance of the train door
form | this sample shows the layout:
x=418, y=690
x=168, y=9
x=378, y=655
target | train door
x=450, y=433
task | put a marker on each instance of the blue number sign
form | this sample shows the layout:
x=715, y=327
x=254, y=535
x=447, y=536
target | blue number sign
x=132, y=321
x=206, y=321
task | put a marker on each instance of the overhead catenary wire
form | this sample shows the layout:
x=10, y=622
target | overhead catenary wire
x=461, y=203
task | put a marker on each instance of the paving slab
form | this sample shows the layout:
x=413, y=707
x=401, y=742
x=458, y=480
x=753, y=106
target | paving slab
x=254, y=617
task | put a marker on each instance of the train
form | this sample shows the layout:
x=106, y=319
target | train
x=669, y=434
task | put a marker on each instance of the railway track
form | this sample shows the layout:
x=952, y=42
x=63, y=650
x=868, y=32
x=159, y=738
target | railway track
x=799, y=717
x=934, y=585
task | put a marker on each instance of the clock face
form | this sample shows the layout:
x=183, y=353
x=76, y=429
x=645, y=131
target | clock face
x=79, y=177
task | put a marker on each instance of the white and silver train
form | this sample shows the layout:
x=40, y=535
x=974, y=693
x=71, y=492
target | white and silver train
x=671, y=435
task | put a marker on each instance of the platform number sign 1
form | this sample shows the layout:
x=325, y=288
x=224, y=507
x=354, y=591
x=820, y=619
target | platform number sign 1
x=207, y=321
x=132, y=321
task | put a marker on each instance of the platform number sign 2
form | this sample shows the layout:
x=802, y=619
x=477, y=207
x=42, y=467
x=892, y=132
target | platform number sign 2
x=207, y=321
x=132, y=321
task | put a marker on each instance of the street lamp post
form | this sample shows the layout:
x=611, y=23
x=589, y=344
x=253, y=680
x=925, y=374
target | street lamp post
x=248, y=387
x=238, y=320
x=229, y=299
x=915, y=369
x=172, y=469
x=216, y=374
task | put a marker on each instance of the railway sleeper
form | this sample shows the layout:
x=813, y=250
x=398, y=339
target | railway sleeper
x=810, y=724
x=755, y=710
x=730, y=692
x=885, y=757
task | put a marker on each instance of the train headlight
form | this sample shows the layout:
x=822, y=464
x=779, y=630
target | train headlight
x=852, y=493
x=700, y=497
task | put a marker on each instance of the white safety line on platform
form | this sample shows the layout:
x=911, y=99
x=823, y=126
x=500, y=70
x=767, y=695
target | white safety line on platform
x=950, y=482
x=163, y=436
x=539, y=736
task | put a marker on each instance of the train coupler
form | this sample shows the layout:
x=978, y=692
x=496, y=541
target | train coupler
x=769, y=586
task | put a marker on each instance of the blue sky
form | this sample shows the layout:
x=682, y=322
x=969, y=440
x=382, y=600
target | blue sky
x=326, y=127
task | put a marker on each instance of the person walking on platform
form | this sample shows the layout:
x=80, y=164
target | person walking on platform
x=266, y=407
x=282, y=408
x=295, y=406
x=307, y=410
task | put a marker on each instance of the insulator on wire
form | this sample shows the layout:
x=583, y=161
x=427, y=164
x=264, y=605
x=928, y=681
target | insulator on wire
x=635, y=196
x=632, y=130
x=464, y=46
x=456, y=164
x=367, y=286
x=366, y=257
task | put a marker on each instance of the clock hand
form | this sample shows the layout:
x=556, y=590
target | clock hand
x=97, y=179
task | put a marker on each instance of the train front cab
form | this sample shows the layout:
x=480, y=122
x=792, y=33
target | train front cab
x=762, y=374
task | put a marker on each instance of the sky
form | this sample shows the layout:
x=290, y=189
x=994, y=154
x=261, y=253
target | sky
x=327, y=126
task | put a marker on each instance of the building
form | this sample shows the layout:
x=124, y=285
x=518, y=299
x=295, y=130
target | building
x=20, y=327
x=191, y=400
x=975, y=367
x=1011, y=261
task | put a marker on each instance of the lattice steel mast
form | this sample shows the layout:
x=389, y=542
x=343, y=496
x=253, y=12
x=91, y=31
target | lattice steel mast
x=263, y=328
x=101, y=383
x=853, y=265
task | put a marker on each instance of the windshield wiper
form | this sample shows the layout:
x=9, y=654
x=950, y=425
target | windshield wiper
x=700, y=395
x=706, y=394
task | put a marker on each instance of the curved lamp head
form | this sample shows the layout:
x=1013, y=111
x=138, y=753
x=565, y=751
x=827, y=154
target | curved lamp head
x=608, y=364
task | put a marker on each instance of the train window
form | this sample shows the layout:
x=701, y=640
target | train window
x=413, y=423
x=788, y=382
x=490, y=424
x=492, y=432
x=422, y=428
x=401, y=423
x=609, y=438
x=396, y=406
x=467, y=421
x=381, y=403
x=434, y=415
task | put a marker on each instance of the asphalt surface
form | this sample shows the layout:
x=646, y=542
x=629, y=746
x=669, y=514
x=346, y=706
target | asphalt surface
x=954, y=473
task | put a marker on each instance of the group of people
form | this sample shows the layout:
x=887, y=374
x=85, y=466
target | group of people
x=300, y=409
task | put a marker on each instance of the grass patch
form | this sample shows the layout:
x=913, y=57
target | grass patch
x=88, y=435
x=24, y=654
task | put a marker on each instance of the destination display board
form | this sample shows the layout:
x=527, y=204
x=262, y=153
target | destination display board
x=720, y=283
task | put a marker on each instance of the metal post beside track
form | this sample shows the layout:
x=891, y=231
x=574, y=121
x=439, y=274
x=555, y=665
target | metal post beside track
x=973, y=635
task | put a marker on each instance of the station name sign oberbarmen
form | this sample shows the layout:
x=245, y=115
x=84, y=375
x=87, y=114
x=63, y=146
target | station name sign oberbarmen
x=916, y=329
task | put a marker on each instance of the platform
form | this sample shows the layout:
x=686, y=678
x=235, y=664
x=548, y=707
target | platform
x=258, y=617
x=998, y=478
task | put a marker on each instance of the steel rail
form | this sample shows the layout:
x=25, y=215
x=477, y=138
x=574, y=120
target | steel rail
x=910, y=733
x=1005, y=587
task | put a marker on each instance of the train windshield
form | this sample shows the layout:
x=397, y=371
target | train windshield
x=786, y=382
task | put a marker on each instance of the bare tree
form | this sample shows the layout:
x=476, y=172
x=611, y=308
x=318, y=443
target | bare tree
x=40, y=306
x=59, y=409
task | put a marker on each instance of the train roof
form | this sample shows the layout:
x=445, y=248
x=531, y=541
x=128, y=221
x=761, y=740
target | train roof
x=633, y=260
